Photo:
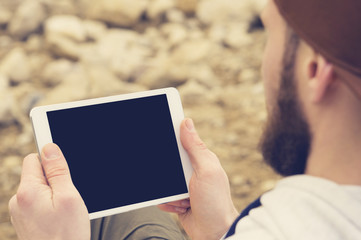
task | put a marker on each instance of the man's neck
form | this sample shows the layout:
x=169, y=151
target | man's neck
x=336, y=150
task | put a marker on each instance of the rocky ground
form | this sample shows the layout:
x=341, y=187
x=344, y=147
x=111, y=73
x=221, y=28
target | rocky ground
x=55, y=51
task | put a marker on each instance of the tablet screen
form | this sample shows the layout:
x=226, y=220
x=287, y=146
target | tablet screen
x=120, y=153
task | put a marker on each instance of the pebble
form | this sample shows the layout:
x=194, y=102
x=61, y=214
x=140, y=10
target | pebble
x=4, y=83
x=6, y=105
x=156, y=8
x=192, y=51
x=27, y=19
x=122, y=13
x=65, y=26
x=175, y=33
x=175, y=15
x=193, y=93
x=187, y=6
x=12, y=161
x=15, y=66
x=5, y=17
x=56, y=71
x=94, y=29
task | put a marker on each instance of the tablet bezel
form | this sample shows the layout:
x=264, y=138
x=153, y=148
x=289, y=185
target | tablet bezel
x=43, y=136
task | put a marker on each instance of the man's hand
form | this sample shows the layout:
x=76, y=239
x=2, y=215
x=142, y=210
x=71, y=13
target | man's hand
x=47, y=205
x=210, y=211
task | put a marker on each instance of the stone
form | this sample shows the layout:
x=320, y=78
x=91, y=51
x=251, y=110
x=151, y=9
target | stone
x=12, y=162
x=61, y=7
x=230, y=96
x=123, y=13
x=238, y=180
x=26, y=96
x=175, y=15
x=128, y=66
x=5, y=43
x=89, y=53
x=158, y=7
x=5, y=17
x=175, y=33
x=204, y=75
x=74, y=87
x=154, y=74
x=34, y=43
x=94, y=29
x=103, y=82
x=63, y=34
x=158, y=42
x=258, y=5
x=24, y=141
x=115, y=42
x=66, y=26
x=6, y=105
x=176, y=74
x=37, y=61
x=268, y=185
x=217, y=32
x=4, y=83
x=218, y=11
x=236, y=35
x=193, y=93
x=55, y=72
x=11, y=165
x=124, y=51
x=192, y=51
x=7, y=230
x=15, y=66
x=187, y=6
x=63, y=47
x=196, y=33
x=162, y=72
x=27, y=19
x=248, y=75
x=187, y=62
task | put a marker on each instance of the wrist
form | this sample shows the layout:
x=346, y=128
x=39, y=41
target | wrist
x=228, y=221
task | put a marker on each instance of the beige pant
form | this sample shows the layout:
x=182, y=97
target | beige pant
x=146, y=223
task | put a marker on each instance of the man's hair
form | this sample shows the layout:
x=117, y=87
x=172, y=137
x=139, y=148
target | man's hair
x=292, y=44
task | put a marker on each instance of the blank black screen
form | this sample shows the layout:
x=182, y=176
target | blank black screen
x=120, y=153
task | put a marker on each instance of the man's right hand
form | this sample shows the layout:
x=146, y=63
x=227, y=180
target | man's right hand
x=209, y=212
x=47, y=205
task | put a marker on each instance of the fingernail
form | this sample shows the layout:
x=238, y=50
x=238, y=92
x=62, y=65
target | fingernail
x=51, y=151
x=180, y=210
x=189, y=124
x=185, y=203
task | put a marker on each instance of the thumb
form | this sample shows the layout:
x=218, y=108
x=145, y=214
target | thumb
x=197, y=150
x=55, y=167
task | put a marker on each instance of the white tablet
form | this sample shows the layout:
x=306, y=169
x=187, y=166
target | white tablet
x=124, y=151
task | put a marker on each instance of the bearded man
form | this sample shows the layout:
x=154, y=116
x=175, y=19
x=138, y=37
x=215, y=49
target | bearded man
x=312, y=77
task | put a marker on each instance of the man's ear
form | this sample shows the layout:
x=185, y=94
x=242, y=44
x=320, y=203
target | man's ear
x=321, y=76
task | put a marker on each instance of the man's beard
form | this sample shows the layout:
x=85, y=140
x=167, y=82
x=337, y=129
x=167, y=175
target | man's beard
x=286, y=141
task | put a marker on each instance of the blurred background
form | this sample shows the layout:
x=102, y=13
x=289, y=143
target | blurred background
x=53, y=51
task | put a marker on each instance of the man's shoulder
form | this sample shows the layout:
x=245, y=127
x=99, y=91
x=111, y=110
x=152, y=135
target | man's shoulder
x=305, y=207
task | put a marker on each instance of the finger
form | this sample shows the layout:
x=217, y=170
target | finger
x=185, y=203
x=198, y=152
x=55, y=168
x=172, y=209
x=12, y=207
x=32, y=170
x=32, y=177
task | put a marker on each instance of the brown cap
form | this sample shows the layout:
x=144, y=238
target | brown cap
x=331, y=27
